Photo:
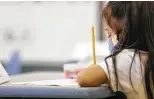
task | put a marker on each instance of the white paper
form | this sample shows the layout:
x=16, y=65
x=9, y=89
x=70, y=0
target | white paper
x=4, y=77
x=57, y=82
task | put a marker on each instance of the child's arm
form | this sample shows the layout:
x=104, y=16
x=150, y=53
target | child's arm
x=93, y=76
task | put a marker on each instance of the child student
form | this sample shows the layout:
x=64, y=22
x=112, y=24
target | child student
x=130, y=67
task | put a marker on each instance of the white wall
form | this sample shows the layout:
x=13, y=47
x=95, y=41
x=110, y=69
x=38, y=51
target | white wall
x=55, y=28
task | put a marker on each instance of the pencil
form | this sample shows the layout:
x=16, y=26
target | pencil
x=93, y=46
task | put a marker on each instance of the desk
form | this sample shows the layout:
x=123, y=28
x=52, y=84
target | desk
x=8, y=90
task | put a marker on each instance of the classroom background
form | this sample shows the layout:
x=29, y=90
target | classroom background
x=45, y=35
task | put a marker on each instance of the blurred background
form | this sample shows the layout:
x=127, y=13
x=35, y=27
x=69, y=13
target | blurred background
x=43, y=36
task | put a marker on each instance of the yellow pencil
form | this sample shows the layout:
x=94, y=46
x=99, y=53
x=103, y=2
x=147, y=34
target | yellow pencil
x=93, y=46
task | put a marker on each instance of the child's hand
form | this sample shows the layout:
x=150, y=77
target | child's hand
x=92, y=76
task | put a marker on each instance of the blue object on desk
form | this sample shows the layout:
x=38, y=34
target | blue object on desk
x=13, y=66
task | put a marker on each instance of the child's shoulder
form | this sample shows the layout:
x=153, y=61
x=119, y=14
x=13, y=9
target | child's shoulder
x=125, y=57
x=126, y=53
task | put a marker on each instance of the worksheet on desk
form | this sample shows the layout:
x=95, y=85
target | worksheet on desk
x=56, y=82
x=4, y=77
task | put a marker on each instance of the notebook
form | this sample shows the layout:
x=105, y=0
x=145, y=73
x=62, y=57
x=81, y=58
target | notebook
x=4, y=77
